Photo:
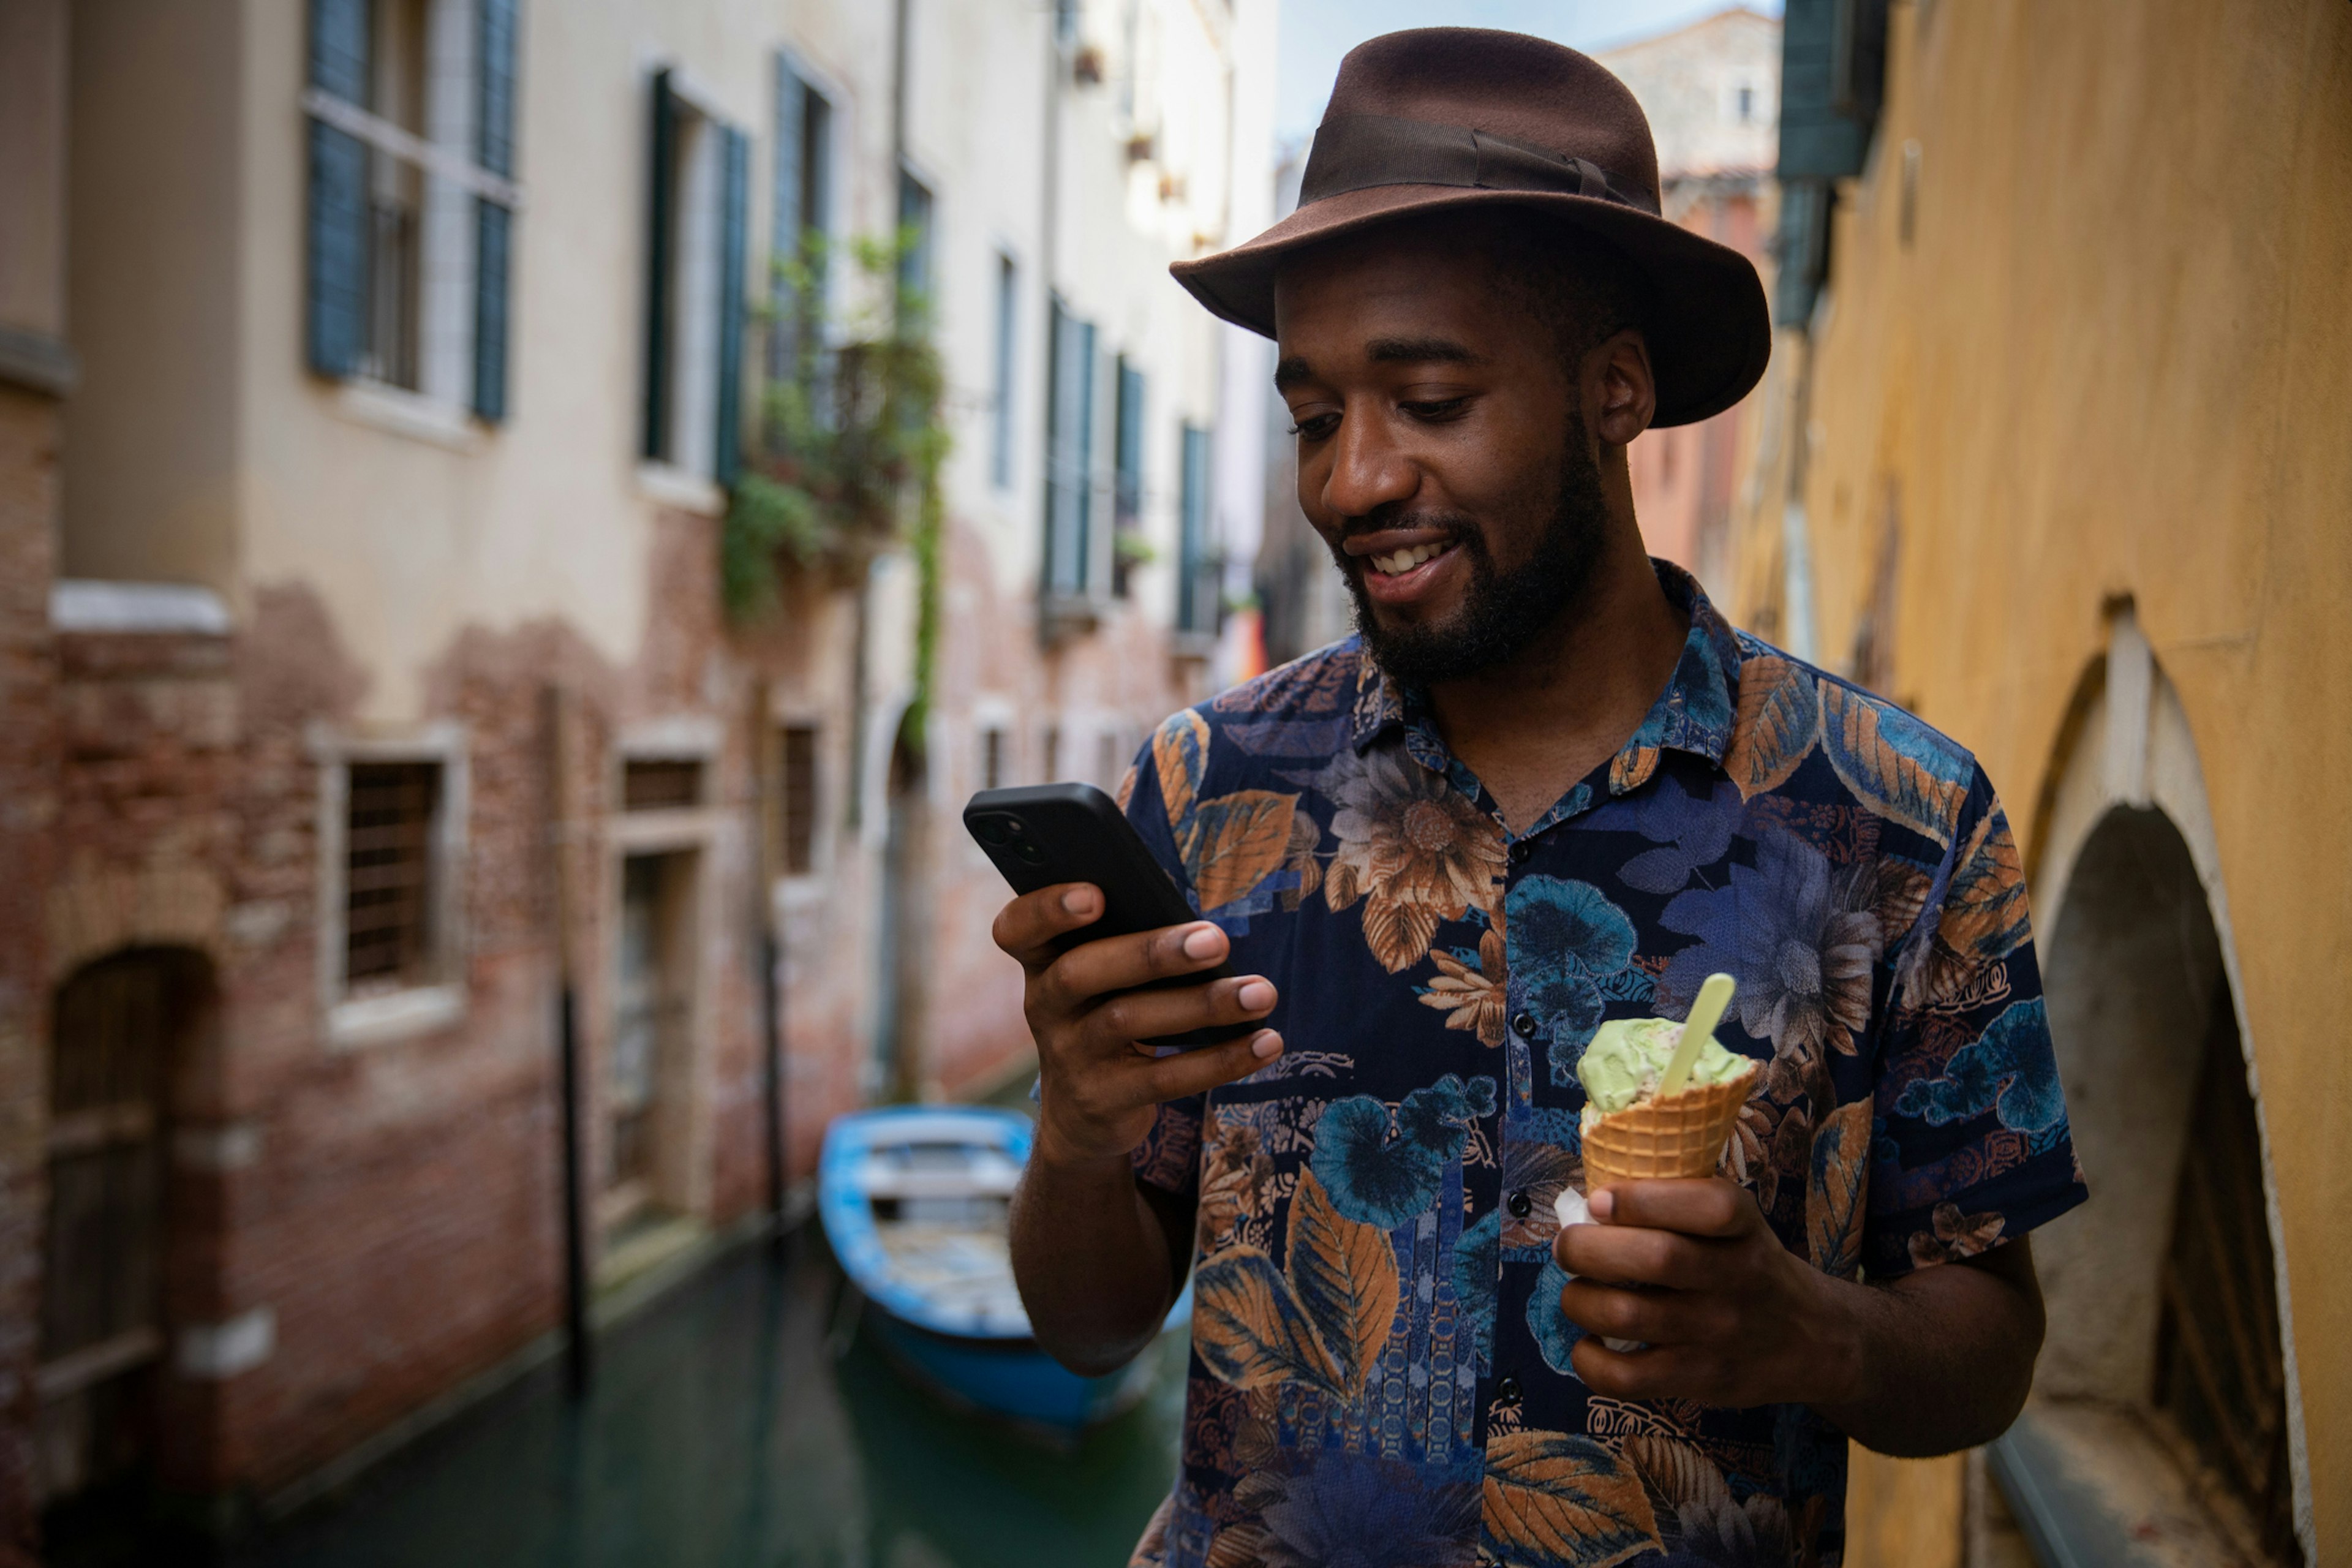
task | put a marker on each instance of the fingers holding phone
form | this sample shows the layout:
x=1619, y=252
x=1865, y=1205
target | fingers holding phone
x=1092, y=1004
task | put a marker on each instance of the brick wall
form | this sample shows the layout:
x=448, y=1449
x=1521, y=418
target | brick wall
x=29, y=440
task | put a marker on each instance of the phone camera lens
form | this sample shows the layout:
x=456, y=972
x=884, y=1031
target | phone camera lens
x=1033, y=854
x=990, y=830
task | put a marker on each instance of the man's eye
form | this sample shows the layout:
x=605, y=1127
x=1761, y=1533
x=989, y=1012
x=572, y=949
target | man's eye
x=1440, y=408
x=1316, y=426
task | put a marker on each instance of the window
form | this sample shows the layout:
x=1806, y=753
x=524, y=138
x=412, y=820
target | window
x=1110, y=759
x=1069, y=456
x=663, y=784
x=390, y=812
x=915, y=240
x=1126, y=477
x=992, y=757
x=1053, y=753
x=802, y=219
x=792, y=819
x=694, y=307
x=1000, y=434
x=1196, y=567
x=1744, y=103
x=412, y=199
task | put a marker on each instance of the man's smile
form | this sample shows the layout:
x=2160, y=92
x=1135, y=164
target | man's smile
x=1403, y=566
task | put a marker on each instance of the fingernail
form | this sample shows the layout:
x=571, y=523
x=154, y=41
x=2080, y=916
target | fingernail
x=1266, y=1046
x=1602, y=1203
x=1202, y=943
x=1256, y=995
x=1079, y=902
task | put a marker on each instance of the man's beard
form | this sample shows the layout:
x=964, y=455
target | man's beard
x=1504, y=611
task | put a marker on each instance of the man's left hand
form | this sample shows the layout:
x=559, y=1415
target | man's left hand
x=1729, y=1315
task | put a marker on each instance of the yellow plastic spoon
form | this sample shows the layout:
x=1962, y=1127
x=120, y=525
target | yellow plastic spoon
x=1714, y=999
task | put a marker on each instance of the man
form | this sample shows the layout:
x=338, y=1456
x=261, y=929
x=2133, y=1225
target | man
x=1546, y=785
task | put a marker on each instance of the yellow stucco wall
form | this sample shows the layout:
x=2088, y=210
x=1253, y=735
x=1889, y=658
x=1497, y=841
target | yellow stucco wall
x=2114, y=359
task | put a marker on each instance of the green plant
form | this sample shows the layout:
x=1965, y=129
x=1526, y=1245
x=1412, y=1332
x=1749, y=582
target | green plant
x=847, y=460
x=851, y=442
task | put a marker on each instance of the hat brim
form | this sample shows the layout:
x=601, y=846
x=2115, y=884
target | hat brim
x=1710, y=331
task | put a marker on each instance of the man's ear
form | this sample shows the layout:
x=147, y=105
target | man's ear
x=1619, y=396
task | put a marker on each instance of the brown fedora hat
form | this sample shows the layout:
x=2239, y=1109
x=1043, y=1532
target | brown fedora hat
x=1446, y=116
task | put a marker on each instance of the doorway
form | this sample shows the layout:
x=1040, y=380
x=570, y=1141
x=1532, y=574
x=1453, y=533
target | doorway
x=2164, y=1313
x=647, y=1067
x=119, y=1026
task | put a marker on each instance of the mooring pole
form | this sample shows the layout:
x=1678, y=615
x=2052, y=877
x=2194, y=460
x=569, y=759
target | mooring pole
x=578, y=1348
x=766, y=780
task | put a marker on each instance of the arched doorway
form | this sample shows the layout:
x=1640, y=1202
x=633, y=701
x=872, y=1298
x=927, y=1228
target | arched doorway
x=2163, y=1304
x=2166, y=1393
x=119, y=1029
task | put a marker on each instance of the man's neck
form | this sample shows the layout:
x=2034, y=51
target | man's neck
x=1532, y=726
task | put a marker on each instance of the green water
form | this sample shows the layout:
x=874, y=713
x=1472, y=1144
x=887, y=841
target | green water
x=735, y=1423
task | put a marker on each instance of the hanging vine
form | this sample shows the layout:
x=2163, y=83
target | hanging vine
x=851, y=442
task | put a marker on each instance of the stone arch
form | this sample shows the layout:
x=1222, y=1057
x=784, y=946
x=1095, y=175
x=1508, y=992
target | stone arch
x=95, y=910
x=2137, y=955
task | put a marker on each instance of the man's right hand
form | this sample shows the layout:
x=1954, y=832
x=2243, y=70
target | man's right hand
x=1099, y=1086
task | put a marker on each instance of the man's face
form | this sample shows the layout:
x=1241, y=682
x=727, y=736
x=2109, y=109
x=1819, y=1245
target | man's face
x=1443, y=453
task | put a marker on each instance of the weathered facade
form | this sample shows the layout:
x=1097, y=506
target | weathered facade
x=1711, y=90
x=387, y=694
x=2061, y=466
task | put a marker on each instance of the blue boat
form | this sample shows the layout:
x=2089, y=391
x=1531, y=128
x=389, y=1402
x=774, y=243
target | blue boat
x=914, y=1201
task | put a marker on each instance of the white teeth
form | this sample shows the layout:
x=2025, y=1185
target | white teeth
x=1405, y=560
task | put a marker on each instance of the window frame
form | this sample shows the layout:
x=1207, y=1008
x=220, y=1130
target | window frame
x=455, y=392
x=439, y=1001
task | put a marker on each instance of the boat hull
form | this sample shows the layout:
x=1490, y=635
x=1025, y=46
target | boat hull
x=1011, y=1380
x=983, y=1360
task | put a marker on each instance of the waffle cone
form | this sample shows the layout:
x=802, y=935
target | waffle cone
x=1676, y=1135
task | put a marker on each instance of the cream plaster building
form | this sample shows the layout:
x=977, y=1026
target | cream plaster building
x=392, y=707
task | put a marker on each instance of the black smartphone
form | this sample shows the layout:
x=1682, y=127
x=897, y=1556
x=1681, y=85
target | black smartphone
x=1043, y=834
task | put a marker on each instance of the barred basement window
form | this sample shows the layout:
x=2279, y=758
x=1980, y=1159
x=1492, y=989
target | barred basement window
x=662, y=784
x=794, y=826
x=388, y=892
x=2220, y=1368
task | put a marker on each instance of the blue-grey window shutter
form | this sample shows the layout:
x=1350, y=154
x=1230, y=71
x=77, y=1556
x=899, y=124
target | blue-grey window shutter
x=728, y=450
x=337, y=257
x=789, y=217
x=1196, y=582
x=493, y=223
x=662, y=151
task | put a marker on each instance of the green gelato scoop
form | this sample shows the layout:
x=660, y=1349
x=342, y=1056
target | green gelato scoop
x=1628, y=1058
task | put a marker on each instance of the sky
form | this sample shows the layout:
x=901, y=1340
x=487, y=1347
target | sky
x=1314, y=34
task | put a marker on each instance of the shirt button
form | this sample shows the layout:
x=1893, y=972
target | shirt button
x=1520, y=1204
x=1521, y=850
x=1524, y=1025
x=1508, y=1390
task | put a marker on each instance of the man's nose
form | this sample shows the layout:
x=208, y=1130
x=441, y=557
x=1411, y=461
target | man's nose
x=1368, y=469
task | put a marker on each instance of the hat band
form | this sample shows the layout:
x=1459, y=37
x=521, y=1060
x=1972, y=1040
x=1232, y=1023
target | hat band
x=1357, y=152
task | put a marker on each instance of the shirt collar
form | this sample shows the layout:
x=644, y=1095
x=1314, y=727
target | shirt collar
x=1695, y=714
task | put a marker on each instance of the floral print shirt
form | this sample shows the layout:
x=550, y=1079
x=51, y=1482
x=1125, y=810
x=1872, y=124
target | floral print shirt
x=1380, y=1370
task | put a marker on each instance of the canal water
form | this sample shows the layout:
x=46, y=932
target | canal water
x=744, y=1420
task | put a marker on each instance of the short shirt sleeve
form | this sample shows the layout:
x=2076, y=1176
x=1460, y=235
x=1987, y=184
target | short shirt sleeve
x=1169, y=1157
x=1970, y=1145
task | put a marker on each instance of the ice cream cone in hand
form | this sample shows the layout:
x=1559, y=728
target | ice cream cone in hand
x=1662, y=1099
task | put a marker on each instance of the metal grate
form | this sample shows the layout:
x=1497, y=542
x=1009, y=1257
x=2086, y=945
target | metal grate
x=388, y=871
x=794, y=826
x=2220, y=1372
x=666, y=784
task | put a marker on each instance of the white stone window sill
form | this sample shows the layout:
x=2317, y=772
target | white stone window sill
x=679, y=487
x=396, y=1015
x=411, y=413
